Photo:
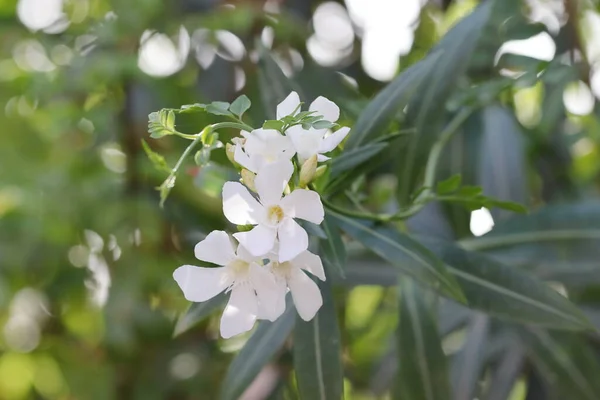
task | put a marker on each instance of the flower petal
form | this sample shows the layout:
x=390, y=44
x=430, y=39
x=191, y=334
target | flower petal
x=306, y=294
x=288, y=105
x=332, y=141
x=271, y=180
x=201, y=284
x=240, y=314
x=306, y=142
x=311, y=263
x=270, y=292
x=293, y=239
x=304, y=204
x=321, y=158
x=242, y=158
x=216, y=248
x=239, y=206
x=244, y=255
x=325, y=107
x=258, y=241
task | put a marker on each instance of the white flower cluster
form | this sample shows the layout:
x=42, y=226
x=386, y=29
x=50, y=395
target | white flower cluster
x=272, y=257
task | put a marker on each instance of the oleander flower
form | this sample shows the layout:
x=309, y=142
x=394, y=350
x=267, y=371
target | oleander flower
x=262, y=147
x=273, y=215
x=252, y=285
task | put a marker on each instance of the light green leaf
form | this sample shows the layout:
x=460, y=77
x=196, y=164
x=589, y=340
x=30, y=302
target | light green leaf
x=322, y=124
x=352, y=158
x=240, y=105
x=402, y=252
x=273, y=124
x=157, y=160
x=423, y=367
x=318, y=353
x=218, y=108
x=256, y=353
x=198, y=312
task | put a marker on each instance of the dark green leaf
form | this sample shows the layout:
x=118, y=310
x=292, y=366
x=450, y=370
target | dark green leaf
x=423, y=369
x=218, y=108
x=256, y=353
x=197, y=313
x=333, y=250
x=449, y=185
x=401, y=251
x=352, y=158
x=506, y=373
x=240, y=105
x=318, y=352
x=469, y=191
x=468, y=364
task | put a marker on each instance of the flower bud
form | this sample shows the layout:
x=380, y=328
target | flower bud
x=230, y=152
x=248, y=179
x=308, y=170
x=320, y=171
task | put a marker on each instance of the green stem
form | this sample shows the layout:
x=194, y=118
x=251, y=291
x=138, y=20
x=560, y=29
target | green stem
x=233, y=125
x=186, y=136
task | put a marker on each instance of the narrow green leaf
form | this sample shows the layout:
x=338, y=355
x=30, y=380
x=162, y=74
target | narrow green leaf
x=423, y=367
x=506, y=373
x=505, y=291
x=197, y=313
x=403, y=252
x=380, y=112
x=449, y=185
x=256, y=353
x=333, y=250
x=318, y=352
x=468, y=364
x=240, y=105
x=352, y=158
x=469, y=191
x=218, y=108
x=565, y=361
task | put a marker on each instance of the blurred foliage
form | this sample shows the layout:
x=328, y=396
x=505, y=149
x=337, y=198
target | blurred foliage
x=87, y=303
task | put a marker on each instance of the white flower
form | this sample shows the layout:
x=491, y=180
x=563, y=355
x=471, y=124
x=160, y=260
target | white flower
x=251, y=285
x=313, y=141
x=273, y=215
x=262, y=147
x=305, y=292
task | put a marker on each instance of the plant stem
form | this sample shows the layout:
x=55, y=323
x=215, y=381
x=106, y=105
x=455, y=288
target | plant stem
x=233, y=125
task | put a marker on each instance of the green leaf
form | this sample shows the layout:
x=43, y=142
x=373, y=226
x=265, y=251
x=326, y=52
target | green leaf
x=165, y=188
x=489, y=202
x=170, y=122
x=468, y=364
x=507, y=292
x=567, y=362
x=380, y=112
x=218, y=108
x=544, y=229
x=318, y=352
x=197, y=313
x=161, y=123
x=469, y=191
x=402, y=252
x=157, y=160
x=506, y=372
x=240, y=105
x=449, y=185
x=192, y=108
x=202, y=156
x=453, y=54
x=423, y=369
x=322, y=124
x=256, y=353
x=273, y=124
x=352, y=158
x=333, y=250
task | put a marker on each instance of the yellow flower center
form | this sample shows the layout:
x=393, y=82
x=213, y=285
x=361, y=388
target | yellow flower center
x=275, y=214
x=282, y=269
x=239, y=266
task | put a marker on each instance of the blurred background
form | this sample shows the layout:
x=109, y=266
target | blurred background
x=87, y=303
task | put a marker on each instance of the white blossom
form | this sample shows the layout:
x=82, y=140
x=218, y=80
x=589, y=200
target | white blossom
x=305, y=292
x=312, y=141
x=252, y=285
x=262, y=147
x=272, y=215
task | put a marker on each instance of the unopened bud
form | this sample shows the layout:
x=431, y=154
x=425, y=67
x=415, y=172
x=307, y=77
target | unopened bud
x=320, y=171
x=308, y=170
x=248, y=179
x=245, y=228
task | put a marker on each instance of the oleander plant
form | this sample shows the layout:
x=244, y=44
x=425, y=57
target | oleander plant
x=298, y=200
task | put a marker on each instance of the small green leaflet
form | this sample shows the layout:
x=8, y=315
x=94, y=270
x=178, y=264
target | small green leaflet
x=240, y=105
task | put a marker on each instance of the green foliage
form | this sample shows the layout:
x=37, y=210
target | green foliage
x=415, y=306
